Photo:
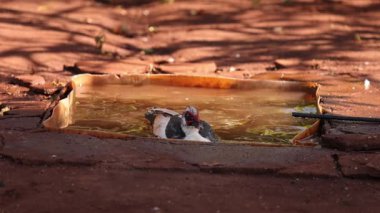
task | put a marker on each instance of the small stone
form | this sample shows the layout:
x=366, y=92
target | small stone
x=247, y=75
x=88, y=20
x=358, y=38
x=231, y=69
x=278, y=30
x=170, y=60
x=286, y=63
x=195, y=12
x=367, y=84
x=122, y=12
x=151, y=29
x=156, y=209
x=42, y=8
x=146, y=12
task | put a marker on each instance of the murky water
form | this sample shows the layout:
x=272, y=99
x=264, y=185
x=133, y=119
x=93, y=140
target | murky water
x=244, y=115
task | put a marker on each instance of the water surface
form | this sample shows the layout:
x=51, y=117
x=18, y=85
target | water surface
x=262, y=115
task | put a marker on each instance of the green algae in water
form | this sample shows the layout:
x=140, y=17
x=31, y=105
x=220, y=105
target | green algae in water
x=260, y=115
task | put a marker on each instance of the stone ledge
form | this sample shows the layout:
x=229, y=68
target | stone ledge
x=360, y=164
x=53, y=148
x=352, y=142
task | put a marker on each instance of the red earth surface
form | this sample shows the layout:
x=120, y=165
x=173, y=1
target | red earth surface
x=45, y=42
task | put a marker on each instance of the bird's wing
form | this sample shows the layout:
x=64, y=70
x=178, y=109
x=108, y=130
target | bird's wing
x=164, y=110
x=173, y=128
x=207, y=132
x=151, y=114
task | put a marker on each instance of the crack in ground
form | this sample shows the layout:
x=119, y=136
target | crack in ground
x=196, y=168
x=33, y=90
x=338, y=166
x=2, y=142
x=200, y=169
x=242, y=171
x=40, y=163
x=211, y=170
x=21, y=116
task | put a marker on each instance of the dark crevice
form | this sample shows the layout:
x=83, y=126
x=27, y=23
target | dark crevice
x=75, y=70
x=221, y=170
x=33, y=90
x=243, y=171
x=42, y=163
x=212, y=170
x=338, y=166
x=226, y=171
x=232, y=171
x=2, y=142
x=9, y=116
x=20, y=129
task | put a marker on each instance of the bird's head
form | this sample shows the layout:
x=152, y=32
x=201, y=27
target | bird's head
x=191, y=116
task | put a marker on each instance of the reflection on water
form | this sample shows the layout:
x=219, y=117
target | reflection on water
x=246, y=115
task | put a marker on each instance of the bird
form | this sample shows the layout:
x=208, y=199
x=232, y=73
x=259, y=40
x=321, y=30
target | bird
x=167, y=123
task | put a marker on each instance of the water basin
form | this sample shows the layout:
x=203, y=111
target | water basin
x=238, y=110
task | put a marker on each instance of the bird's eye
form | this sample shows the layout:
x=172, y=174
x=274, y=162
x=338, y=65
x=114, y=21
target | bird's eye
x=188, y=116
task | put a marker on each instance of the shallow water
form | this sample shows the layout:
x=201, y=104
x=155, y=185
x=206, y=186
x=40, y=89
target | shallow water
x=262, y=115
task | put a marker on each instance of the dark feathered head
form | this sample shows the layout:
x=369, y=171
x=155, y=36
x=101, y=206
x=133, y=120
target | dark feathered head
x=191, y=116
